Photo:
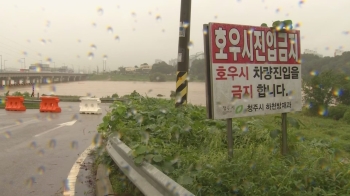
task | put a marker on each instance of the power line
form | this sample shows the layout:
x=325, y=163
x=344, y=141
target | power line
x=23, y=46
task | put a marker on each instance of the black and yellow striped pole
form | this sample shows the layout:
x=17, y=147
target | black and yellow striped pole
x=183, y=55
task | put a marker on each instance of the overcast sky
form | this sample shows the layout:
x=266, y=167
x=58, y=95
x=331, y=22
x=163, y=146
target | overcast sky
x=325, y=26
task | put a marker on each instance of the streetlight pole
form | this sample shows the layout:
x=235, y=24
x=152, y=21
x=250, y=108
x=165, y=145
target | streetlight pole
x=4, y=64
x=183, y=53
x=24, y=62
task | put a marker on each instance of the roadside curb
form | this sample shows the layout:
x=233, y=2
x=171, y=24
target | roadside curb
x=103, y=185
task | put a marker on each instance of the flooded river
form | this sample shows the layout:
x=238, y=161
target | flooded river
x=104, y=88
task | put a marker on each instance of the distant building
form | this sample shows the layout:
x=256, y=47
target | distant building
x=158, y=61
x=307, y=51
x=130, y=69
x=338, y=52
x=145, y=67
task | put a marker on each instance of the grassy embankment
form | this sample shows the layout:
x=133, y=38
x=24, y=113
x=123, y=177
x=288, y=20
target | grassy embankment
x=27, y=105
x=126, y=77
x=130, y=77
x=193, y=150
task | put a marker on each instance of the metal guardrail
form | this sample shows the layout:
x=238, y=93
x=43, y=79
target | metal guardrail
x=147, y=178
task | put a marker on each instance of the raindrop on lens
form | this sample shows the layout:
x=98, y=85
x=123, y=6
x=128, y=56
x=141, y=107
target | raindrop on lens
x=66, y=185
x=139, y=119
x=7, y=134
x=186, y=24
x=205, y=31
x=75, y=117
x=41, y=170
x=41, y=152
x=109, y=29
x=93, y=47
x=74, y=145
x=52, y=143
x=134, y=111
x=32, y=145
x=100, y=11
x=190, y=45
x=90, y=55
x=97, y=140
x=158, y=18
x=30, y=181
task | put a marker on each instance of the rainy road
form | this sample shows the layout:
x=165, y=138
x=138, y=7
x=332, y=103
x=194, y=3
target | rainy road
x=38, y=150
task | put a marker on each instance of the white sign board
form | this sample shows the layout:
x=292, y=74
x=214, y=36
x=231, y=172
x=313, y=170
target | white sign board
x=253, y=71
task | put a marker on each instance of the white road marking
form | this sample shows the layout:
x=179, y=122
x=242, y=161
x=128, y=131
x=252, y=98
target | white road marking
x=10, y=126
x=59, y=126
x=72, y=176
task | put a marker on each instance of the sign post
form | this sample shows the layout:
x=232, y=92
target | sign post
x=284, y=146
x=252, y=70
x=229, y=138
x=183, y=54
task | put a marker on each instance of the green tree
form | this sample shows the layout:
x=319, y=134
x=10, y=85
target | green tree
x=319, y=90
x=198, y=69
x=26, y=95
x=342, y=89
x=312, y=64
x=122, y=69
x=17, y=93
x=163, y=67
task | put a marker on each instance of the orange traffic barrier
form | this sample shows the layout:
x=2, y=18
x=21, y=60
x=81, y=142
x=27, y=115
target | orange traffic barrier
x=49, y=104
x=15, y=103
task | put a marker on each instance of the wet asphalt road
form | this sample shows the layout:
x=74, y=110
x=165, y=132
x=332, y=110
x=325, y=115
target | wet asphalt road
x=38, y=150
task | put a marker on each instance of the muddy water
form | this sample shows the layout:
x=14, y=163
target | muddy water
x=104, y=88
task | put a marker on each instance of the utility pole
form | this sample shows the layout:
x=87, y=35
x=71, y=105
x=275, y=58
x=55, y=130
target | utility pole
x=183, y=54
x=104, y=66
x=1, y=62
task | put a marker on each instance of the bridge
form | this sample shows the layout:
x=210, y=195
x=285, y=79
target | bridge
x=27, y=78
